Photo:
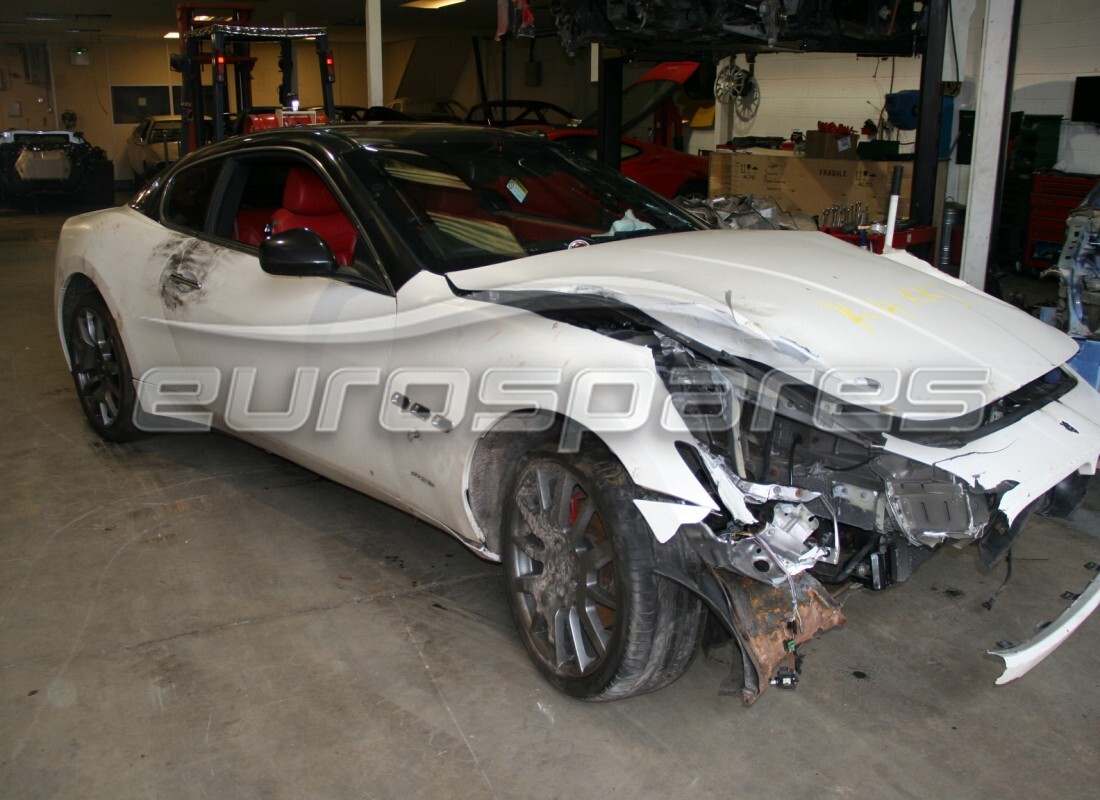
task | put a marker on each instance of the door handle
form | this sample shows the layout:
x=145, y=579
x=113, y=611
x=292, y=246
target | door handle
x=185, y=280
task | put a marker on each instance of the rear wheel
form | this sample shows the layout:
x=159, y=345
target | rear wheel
x=100, y=369
x=579, y=564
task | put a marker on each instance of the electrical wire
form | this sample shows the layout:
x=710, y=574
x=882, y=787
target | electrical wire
x=988, y=604
x=836, y=528
x=796, y=618
x=95, y=80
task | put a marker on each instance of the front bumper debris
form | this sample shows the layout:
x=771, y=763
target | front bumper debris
x=1021, y=659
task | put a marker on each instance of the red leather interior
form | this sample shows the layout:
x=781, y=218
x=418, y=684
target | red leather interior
x=308, y=203
x=250, y=224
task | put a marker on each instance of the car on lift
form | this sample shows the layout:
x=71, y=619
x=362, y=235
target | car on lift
x=644, y=420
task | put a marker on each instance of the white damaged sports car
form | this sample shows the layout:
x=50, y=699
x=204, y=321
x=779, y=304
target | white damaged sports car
x=646, y=421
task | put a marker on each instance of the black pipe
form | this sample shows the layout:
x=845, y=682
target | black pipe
x=327, y=78
x=505, y=73
x=480, y=70
x=927, y=154
x=611, y=112
x=853, y=562
x=217, y=47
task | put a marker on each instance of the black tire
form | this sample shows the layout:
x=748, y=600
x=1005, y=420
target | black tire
x=100, y=369
x=579, y=566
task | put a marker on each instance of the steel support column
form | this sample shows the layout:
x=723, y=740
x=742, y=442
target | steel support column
x=990, y=137
x=375, y=91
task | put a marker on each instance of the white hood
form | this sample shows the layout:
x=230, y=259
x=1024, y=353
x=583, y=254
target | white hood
x=802, y=302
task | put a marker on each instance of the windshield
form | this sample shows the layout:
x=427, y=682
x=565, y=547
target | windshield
x=464, y=204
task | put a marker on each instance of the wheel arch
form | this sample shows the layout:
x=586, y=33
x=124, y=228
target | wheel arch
x=489, y=473
x=494, y=458
x=491, y=464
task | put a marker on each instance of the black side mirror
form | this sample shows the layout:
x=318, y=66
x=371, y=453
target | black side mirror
x=298, y=253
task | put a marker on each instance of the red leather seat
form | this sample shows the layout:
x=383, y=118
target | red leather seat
x=308, y=203
x=250, y=224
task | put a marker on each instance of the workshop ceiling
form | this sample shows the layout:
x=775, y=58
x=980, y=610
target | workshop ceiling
x=92, y=20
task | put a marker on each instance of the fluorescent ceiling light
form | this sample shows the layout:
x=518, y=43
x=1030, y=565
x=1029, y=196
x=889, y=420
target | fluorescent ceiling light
x=432, y=4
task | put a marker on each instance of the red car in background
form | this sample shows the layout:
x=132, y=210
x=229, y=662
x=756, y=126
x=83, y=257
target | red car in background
x=666, y=171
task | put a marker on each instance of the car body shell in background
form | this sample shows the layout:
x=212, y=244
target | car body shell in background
x=510, y=113
x=430, y=109
x=50, y=163
x=153, y=144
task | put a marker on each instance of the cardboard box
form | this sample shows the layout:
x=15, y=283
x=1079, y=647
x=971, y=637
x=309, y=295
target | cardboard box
x=808, y=185
x=821, y=144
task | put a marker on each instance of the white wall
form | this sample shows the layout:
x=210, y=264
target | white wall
x=797, y=90
x=1059, y=40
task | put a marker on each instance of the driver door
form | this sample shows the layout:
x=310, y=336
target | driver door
x=299, y=363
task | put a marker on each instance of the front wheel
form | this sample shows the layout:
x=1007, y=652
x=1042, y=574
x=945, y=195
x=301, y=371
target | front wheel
x=100, y=369
x=579, y=565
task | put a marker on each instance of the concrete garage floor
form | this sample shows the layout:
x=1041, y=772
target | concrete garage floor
x=190, y=617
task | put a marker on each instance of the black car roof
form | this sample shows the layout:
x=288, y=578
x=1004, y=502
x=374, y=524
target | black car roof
x=347, y=136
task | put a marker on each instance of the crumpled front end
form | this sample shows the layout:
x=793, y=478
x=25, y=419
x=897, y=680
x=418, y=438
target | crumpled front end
x=813, y=492
x=841, y=415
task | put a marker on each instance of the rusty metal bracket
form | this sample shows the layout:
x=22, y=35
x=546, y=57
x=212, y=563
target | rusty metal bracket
x=763, y=626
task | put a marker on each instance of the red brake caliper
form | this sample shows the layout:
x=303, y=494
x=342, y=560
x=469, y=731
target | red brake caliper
x=576, y=500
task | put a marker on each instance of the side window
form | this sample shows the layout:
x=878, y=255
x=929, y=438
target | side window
x=255, y=194
x=280, y=194
x=269, y=194
x=188, y=197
